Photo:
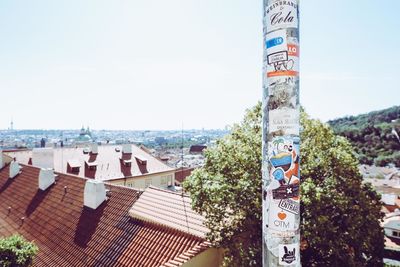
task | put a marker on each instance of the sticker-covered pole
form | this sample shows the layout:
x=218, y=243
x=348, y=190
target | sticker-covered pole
x=281, y=129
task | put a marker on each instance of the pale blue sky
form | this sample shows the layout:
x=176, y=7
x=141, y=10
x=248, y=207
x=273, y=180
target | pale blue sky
x=155, y=64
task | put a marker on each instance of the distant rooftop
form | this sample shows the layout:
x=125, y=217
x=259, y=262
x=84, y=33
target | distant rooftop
x=108, y=164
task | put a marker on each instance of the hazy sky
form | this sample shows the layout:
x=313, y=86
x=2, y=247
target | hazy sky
x=155, y=64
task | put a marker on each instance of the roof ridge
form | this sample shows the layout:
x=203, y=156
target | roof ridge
x=168, y=191
x=69, y=175
x=159, y=160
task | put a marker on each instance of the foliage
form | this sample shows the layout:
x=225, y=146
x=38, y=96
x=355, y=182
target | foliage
x=340, y=215
x=372, y=135
x=228, y=191
x=15, y=251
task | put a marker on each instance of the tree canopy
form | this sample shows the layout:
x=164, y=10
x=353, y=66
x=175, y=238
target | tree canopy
x=15, y=251
x=340, y=215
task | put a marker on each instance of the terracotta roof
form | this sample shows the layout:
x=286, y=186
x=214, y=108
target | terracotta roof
x=197, y=148
x=68, y=234
x=182, y=173
x=110, y=163
x=169, y=208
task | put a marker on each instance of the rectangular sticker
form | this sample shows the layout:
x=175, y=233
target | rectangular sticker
x=286, y=191
x=280, y=220
x=284, y=66
x=278, y=56
x=281, y=14
x=276, y=41
x=285, y=120
x=290, y=205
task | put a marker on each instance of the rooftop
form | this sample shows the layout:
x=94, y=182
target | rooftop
x=109, y=163
x=69, y=234
x=169, y=208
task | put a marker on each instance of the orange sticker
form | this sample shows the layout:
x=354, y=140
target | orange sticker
x=293, y=50
x=282, y=73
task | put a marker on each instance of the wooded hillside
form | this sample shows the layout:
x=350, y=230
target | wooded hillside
x=373, y=135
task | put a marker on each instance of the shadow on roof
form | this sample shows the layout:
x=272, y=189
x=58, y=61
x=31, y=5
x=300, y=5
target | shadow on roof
x=121, y=242
x=36, y=200
x=87, y=224
x=6, y=184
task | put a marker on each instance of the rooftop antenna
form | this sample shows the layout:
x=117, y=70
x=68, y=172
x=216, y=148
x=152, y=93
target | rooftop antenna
x=183, y=199
x=182, y=152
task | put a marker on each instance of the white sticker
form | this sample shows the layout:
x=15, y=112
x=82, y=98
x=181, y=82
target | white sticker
x=276, y=45
x=281, y=14
x=280, y=219
x=289, y=254
x=286, y=120
x=290, y=205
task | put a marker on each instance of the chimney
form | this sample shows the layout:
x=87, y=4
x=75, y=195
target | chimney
x=15, y=169
x=126, y=149
x=43, y=158
x=94, y=194
x=95, y=149
x=46, y=178
x=1, y=159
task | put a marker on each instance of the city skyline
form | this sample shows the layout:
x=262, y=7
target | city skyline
x=158, y=65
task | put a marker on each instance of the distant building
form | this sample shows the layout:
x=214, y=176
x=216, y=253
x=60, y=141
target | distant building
x=82, y=222
x=197, y=149
x=126, y=165
x=85, y=136
x=391, y=225
x=42, y=142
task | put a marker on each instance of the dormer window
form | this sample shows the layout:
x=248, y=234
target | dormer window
x=91, y=165
x=141, y=160
x=126, y=162
x=73, y=166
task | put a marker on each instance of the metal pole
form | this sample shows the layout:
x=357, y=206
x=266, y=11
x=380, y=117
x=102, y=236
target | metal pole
x=281, y=129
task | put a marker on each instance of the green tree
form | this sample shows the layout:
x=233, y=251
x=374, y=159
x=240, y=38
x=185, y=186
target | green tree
x=340, y=215
x=15, y=251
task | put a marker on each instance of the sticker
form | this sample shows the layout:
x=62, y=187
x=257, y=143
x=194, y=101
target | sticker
x=289, y=254
x=277, y=47
x=283, y=92
x=286, y=191
x=281, y=14
x=285, y=121
x=279, y=219
x=277, y=57
x=284, y=155
x=280, y=65
x=290, y=205
x=276, y=41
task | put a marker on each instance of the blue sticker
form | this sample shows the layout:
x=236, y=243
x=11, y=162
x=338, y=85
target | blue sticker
x=274, y=42
x=278, y=174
